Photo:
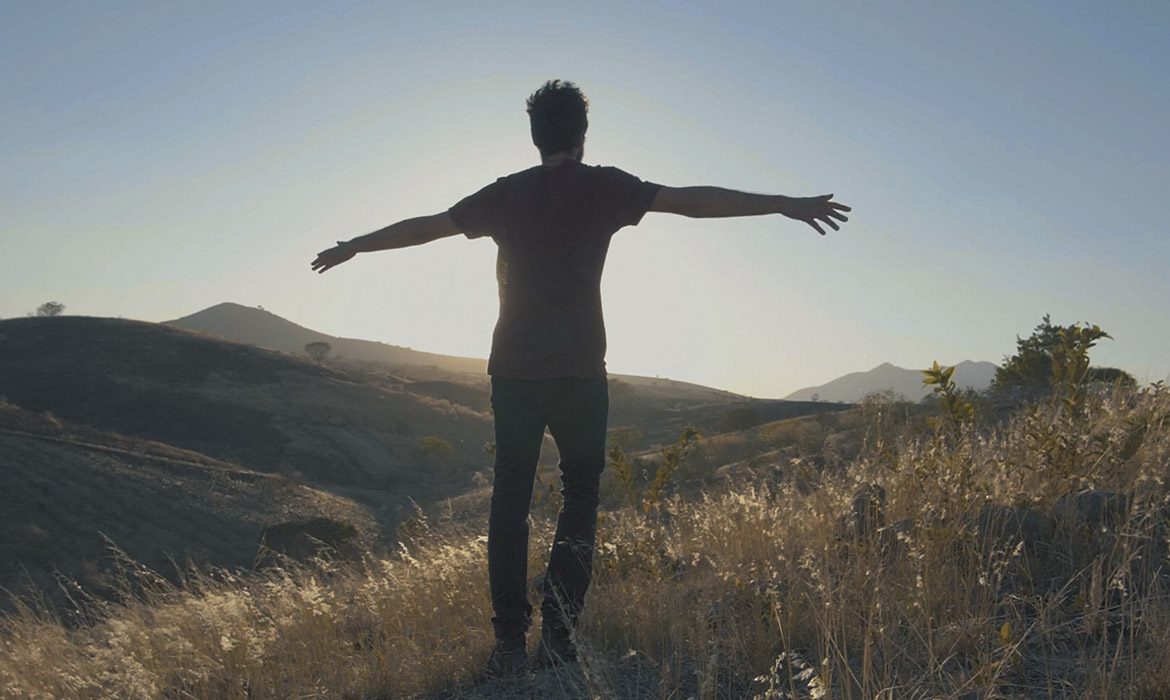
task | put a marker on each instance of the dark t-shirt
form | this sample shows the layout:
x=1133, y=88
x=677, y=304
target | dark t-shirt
x=552, y=225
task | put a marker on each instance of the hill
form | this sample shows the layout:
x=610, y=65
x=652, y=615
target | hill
x=855, y=386
x=264, y=329
x=178, y=444
x=66, y=489
x=346, y=424
x=659, y=407
x=265, y=410
x=918, y=562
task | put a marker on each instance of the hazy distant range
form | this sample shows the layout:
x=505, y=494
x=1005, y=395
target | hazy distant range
x=907, y=382
x=264, y=329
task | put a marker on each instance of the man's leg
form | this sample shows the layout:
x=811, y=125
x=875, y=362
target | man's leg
x=576, y=410
x=519, y=433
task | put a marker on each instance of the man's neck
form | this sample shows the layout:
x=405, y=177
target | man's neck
x=559, y=157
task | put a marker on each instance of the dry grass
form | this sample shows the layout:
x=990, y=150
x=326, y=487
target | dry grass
x=984, y=576
x=395, y=628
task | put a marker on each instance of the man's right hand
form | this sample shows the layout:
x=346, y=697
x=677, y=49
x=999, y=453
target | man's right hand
x=811, y=209
x=332, y=257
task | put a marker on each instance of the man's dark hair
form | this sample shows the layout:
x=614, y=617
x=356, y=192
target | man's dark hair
x=558, y=115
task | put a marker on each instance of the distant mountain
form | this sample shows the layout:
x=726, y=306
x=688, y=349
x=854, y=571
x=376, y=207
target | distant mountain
x=886, y=377
x=264, y=329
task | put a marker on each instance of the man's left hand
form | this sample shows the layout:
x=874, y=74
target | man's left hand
x=815, y=210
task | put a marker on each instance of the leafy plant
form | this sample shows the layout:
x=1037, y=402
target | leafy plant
x=623, y=472
x=671, y=460
x=626, y=474
x=956, y=409
x=1070, y=362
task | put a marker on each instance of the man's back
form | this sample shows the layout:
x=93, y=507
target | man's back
x=552, y=224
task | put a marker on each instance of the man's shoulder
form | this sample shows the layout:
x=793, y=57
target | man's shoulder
x=517, y=177
x=577, y=166
x=615, y=176
x=593, y=176
x=608, y=170
x=606, y=177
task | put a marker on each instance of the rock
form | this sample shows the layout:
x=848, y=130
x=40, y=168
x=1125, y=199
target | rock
x=1000, y=526
x=866, y=515
x=302, y=540
x=869, y=506
x=841, y=448
x=1092, y=509
x=892, y=537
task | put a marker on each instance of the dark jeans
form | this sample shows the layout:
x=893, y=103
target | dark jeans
x=575, y=411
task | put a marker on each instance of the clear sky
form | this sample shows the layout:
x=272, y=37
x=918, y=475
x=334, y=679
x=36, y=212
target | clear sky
x=1003, y=161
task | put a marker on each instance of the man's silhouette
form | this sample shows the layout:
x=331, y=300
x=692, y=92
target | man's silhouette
x=552, y=224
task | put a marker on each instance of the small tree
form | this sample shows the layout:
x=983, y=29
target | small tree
x=1029, y=371
x=318, y=350
x=50, y=308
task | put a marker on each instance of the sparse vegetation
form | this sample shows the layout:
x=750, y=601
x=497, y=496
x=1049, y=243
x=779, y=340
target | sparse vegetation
x=920, y=550
x=233, y=402
x=741, y=418
x=1012, y=581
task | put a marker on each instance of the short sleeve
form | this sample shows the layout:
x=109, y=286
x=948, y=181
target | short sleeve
x=630, y=196
x=478, y=214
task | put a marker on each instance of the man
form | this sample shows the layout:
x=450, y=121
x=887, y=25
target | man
x=552, y=224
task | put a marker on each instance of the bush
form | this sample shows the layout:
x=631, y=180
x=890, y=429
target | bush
x=1054, y=361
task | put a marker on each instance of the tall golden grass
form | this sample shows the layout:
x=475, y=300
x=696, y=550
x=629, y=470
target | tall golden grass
x=1026, y=559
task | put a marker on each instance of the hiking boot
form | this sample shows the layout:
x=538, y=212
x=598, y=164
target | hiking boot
x=508, y=660
x=556, y=647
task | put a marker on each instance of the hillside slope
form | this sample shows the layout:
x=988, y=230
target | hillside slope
x=267, y=330
x=659, y=407
x=264, y=329
x=66, y=489
x=266, y=410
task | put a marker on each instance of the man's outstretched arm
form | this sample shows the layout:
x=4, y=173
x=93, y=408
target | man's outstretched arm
x=405, y=233
x=704, y=202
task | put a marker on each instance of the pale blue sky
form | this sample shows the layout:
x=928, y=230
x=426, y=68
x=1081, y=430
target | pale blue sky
x=1003, y=160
